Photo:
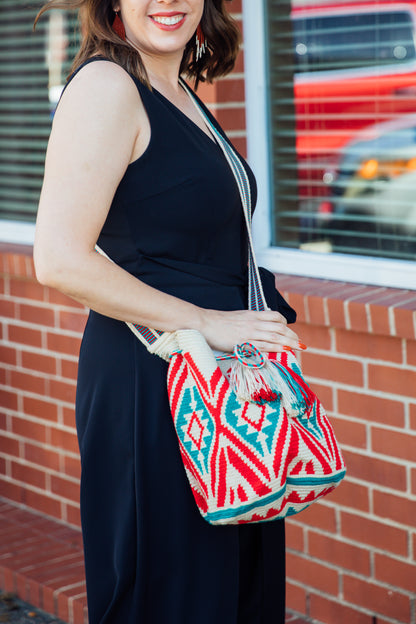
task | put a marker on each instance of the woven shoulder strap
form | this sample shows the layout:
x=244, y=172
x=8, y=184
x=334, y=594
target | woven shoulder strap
x=256, y=300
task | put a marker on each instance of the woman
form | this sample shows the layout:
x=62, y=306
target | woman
x=130, y=164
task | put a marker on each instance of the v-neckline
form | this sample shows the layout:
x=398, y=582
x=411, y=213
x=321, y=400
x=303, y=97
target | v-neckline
x=208, y=134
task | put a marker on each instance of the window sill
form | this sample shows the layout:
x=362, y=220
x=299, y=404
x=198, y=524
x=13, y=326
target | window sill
x=356, y=307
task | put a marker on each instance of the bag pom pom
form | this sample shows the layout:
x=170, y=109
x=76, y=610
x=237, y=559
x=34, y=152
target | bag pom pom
x=257, y=379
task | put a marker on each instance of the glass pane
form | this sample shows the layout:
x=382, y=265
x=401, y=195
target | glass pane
x=356, y=40
x=343, y=118
x=33, y=68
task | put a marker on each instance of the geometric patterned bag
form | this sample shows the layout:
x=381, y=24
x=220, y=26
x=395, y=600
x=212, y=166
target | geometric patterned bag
x=255, y=441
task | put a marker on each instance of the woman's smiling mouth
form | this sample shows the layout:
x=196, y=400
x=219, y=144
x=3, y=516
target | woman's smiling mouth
x=168, y=22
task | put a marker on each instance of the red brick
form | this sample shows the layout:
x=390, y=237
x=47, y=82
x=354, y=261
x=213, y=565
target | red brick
x=9, y=445
x=377, y=599
x=297, y=301
x=27, y=382
x=72, y=466
x=42, y=503
x=358, y=316
x=79, y=609
x=37, y=315
x=312, y=574
x=8, y=400
x=73, y=321
x=412, y=409
x=65, y=488
x=313, y=336
x=405, y=324
x=371, y=408
x=316, y=310
x=65, y=440
x=230, y=90
x=332, y=368
x=42, y=409
x=296, y=597
x=39, y=362
x=41, y=456
x=380, y=320
x=333, y=612
x=349, y=494
x=63, y=344
x=294, y=536
x=394, y=572
x=29, y=429
x=349, y=432
x=232, y=118
x=367, y=468
x=395, y=380
x=30, y=475
x=69, y=369
x=24, y=335
x=339, y=553
x=384, y=348
x=240, y=145
x=336, y=311
x=8, y=355
x=411, y=352
x=394, y=443
x=319, y=516
x=62, y=391
x=373, y=533
x=11, y=490
x=398, y=508
x=73, y=515
x=7, y=308
x=26, y=289
x=69, y=416
x=325, y=395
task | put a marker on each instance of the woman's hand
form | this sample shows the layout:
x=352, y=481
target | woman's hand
x=267, y=330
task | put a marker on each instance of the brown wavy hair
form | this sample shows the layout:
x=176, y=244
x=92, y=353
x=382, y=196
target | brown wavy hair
x=98, y=37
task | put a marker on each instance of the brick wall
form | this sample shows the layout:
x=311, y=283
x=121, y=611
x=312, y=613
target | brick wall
x=40, y=333
x=351, y=558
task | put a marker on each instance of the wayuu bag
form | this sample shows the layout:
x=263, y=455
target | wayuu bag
x=255, y=440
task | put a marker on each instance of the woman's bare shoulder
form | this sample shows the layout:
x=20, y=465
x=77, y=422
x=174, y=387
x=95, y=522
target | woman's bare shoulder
x=101, y=87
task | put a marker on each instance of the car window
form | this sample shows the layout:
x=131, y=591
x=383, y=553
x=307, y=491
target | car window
x=331, y=42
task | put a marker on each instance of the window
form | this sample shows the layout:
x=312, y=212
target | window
x=368, y=39
x=33, y=67
x=341, y=108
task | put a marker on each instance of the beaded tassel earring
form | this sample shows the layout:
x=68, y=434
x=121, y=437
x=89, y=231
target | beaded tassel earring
x=118, y=27
x=201, y=43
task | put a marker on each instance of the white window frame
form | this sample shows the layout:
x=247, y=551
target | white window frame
x=334, y=266
x=17, y=232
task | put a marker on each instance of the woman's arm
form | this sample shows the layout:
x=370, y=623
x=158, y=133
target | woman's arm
x=97, y=131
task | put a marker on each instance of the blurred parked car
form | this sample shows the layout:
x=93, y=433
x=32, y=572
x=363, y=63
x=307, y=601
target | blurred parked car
x=372, y=190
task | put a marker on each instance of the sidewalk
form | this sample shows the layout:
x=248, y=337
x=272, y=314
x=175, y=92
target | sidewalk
x=42, y=562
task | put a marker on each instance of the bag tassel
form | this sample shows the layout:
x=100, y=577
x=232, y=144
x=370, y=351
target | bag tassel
x=259, y=380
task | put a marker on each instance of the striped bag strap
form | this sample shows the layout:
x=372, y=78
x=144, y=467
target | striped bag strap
x=256, y=300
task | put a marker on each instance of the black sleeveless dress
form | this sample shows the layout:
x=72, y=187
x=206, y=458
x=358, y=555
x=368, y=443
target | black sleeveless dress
x=176, y=223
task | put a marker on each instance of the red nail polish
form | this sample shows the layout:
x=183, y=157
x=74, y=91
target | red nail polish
x=302, y=346
x=285, y=348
